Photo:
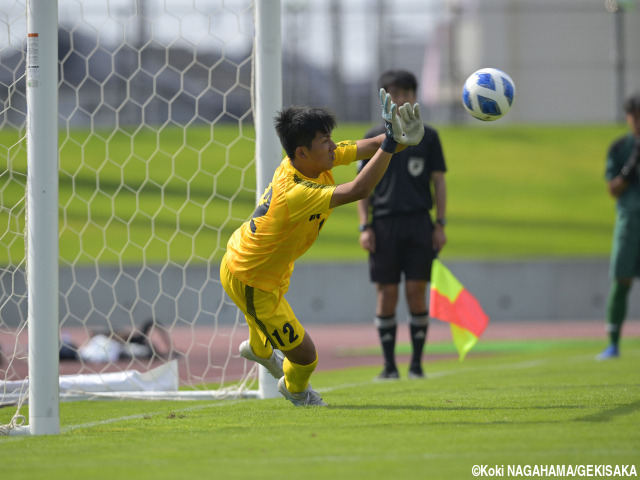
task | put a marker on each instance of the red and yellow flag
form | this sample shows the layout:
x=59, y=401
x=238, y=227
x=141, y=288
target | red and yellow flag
x=451, y=302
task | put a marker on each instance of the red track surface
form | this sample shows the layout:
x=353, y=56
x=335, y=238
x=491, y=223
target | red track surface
x=204, y=346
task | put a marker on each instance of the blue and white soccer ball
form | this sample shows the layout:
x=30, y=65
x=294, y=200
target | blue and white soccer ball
x=488, y=94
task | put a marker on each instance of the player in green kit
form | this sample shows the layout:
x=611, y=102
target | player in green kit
x=623, y=180
x=259, y=261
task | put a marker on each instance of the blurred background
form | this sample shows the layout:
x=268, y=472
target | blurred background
x=572, y=61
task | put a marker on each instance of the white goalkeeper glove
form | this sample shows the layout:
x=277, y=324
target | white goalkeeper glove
x=411, y=127
x=391, y=122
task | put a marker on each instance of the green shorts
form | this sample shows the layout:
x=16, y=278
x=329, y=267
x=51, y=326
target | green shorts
x=625, y=254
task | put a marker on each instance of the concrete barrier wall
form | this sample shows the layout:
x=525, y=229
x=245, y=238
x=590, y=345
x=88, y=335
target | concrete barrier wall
x=319, y=293
x=514, y=290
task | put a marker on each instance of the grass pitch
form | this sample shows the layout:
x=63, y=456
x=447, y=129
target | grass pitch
x=550, y=405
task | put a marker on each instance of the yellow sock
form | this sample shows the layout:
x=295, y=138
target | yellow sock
x=296, y=376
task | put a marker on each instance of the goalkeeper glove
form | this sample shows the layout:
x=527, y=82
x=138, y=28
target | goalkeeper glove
x=629, y=169
x=412, y=126
x=391, y=122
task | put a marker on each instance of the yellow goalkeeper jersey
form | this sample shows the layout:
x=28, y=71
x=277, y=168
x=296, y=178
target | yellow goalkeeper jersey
x=284, y=225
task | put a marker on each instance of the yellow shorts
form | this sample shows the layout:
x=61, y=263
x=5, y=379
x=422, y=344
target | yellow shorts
x=268, y=313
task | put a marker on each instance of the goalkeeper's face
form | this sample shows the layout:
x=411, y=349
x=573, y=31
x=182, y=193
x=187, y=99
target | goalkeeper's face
x=321, y=155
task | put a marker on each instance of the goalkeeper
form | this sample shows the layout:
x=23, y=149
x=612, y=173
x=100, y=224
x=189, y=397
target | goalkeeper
x=623, y=179
x=260, y=256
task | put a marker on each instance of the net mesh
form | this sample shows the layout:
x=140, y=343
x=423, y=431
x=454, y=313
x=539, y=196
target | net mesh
x=156, y=151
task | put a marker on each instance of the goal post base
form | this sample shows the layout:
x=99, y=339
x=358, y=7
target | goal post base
x=23, y=430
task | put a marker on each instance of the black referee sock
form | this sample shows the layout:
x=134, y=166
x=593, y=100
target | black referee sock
x=387, y=330
x=418, y=328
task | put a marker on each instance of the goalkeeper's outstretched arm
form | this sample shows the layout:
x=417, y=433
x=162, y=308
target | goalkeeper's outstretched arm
x=397, y=128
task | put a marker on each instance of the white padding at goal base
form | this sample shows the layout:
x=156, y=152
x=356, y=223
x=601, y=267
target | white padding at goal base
x=160, y=383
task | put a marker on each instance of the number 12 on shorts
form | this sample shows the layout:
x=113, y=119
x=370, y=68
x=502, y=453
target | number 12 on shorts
x=287, y=329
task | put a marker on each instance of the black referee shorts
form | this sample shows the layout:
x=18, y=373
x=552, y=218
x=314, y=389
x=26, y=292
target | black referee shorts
x=403, y=245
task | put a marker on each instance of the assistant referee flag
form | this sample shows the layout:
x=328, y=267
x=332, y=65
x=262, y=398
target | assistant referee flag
x=451, y=302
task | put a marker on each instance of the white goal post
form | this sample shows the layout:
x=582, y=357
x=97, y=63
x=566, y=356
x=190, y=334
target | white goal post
x=42, y=215
x=126, y=124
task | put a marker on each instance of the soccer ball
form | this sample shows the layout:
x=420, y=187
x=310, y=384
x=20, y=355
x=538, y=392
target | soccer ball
x=488, y=94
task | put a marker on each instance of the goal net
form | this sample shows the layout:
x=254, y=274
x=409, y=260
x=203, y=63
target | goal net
x=156, y=148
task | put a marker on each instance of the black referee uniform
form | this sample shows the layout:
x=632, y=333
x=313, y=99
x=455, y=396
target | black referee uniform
x=400, y=211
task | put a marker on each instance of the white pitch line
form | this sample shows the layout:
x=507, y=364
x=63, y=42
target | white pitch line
x=444, y=373
x=147, y=414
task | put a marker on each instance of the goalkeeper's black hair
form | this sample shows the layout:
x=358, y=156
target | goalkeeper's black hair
x=632, y=104
x=398, y=78
x=297, y=126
